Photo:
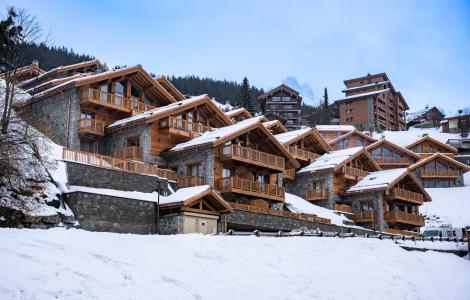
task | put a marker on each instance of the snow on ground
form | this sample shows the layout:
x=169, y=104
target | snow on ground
x=299, y=205
x=448, y=205
x=405, y=138
x=76, y=264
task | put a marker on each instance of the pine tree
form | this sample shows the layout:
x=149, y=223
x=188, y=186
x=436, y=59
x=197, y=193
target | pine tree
x=245, y=98
x=325, y=98
x=325, y=110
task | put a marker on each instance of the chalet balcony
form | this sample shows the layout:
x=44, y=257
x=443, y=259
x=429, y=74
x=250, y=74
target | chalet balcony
x=402, y=232
x=91, y=126
x=250, y=188
x=118, y=102
x=113, y=163
x=364, y=216
x=251, y=156
x=316, y=194
x=354, y=173
x=189, y=181
x=439, y=174
x=409, y=196
x=182, y=128
x=395, y=216
x=302, y=154
x=343, y=208
x=132, y=153
x=403, y=161
x=289, y=174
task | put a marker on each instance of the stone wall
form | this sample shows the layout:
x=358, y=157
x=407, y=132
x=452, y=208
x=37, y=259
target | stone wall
x=96, y=177
x=204, y=156
x=377, y=198
x=49, y=115
x=171, y=224
x=301, y=183
x=248, y=221
x=97, y=212
x=118, y=139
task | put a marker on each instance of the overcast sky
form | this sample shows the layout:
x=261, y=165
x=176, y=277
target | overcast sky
x=424, y=46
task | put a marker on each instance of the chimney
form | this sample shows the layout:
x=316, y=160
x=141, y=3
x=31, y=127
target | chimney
x=35, y=63
x=424, y=134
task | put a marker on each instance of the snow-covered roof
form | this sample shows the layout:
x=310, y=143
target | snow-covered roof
x=237, y=111
x=156, y=111
x=331, y=160
x=335, y=127
x=405, y=138
x=364, y=94
x=217, y=134
x=378, y=180
x=184, y=194
x=285, y=138
x=299, y=205
x=365, y=86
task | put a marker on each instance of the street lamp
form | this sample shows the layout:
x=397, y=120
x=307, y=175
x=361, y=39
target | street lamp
x=159, y=190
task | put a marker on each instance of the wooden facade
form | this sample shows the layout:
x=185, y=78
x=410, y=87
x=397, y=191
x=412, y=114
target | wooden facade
x=351, y=139
x=389, y=155
x=427, y=146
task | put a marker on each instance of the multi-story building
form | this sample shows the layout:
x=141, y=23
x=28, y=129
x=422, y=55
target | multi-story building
x=372, y=103
x=283, y=102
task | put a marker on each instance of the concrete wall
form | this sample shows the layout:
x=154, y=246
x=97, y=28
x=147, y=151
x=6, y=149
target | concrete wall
x=248, y=221
x=49, y=115
x=112, y=214
x=96, y=177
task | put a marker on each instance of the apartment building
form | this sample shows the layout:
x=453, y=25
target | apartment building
x=282, y=103
x=372, y=103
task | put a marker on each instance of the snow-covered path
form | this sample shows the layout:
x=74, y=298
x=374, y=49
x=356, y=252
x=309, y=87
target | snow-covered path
x=75, y=264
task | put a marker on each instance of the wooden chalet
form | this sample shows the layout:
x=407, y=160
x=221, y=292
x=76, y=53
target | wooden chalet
x=163, y=128
x=331, y=132
x=239, y=114
x=275, y=127
x=26, y=73
x=428, y=146
x=353, y=138
x=389, y=155
x=243, y=161
x=388, y=201
x=167, y=85
x=327, y=178
x=305, y=145
x=192, y=210
x=439, y=171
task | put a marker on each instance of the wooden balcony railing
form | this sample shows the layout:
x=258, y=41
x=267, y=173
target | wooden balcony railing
x=364, y=216
x=91, y=126
x=131, y=152
x=189, y=181
x=250, y=187
x=395, y=216
x=184, y=125
x=316, y=194
x=116, y=101
x=289, y=174
x=109, y=162
x=302, y=154
x=410, y=196
x=252, y=156
x=354, y=172
x=393, y=160
x=287, y=214
x=343, y=208
x=439, y=173
x=402, y=232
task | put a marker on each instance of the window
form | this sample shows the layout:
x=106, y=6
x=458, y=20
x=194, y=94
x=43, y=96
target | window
x=377, y=152
x=288, y=106
x=226, y=172
x=133, y=141
x=87, y=115
x=387, y=152
x=88, y=146
x=359, y=142
x=119, y=88
x=276, y=98
x=193, y=169
x=286, y=99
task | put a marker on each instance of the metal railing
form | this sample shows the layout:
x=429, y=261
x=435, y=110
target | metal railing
x=255, y=156
x=113, y=163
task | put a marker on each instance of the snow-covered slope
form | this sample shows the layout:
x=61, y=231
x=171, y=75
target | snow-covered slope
x=449, y=205
x=75, y=264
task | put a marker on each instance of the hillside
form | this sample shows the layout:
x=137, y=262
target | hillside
x=76, y=264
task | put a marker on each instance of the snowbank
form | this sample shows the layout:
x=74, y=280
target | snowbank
x=75, y=264
x=449, y=205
